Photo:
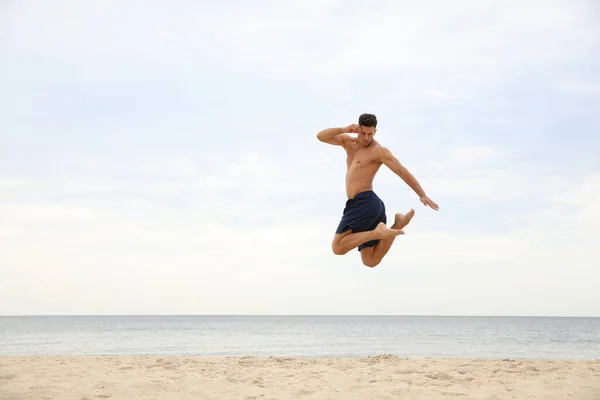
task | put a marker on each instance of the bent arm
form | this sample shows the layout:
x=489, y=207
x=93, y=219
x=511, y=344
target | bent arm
x=334, y=136
x=393, y=164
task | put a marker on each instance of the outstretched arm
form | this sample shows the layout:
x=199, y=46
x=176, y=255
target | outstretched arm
x=393, y=164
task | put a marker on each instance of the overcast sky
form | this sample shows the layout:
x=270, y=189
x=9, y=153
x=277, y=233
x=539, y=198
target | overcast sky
x=161, y=158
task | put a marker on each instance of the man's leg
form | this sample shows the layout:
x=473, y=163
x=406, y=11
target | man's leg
x=346, y=241
x=372, y=256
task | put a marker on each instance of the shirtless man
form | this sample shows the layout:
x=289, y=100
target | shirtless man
x=363, y=223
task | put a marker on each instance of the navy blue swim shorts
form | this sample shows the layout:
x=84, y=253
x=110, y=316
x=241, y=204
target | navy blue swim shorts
x=363, y=213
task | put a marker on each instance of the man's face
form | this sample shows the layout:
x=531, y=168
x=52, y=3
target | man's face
x=365, y=135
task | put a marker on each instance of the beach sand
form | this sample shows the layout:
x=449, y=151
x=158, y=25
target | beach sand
x=380, y=377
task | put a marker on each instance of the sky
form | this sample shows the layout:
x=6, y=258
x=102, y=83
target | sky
x=161, y=158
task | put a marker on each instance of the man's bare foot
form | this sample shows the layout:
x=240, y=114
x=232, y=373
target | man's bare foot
x=387, y=233
x=402, y=220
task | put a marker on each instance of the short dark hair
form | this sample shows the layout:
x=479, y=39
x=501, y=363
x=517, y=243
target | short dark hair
x=369, y=120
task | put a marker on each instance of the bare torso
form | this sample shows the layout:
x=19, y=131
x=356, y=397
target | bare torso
x=363, y=164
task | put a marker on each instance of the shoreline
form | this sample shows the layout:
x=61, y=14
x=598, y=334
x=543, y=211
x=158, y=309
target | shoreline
x=380, y=356
x=384, y=376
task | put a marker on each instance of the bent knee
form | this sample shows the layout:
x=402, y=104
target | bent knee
x=369, y=259
x=337, y=249
x=371, y=263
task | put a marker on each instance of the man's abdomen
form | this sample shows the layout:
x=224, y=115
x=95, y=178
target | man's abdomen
x=358, y=181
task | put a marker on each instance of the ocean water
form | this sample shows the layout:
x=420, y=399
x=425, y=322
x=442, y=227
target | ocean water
x=303, y=336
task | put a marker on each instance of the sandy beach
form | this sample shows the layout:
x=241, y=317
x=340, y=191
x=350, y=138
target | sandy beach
x=380, y=377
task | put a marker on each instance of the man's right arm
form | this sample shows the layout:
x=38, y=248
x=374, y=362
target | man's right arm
x=335, y=136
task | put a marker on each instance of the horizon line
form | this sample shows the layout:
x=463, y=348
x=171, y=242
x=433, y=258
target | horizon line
x=306, y=315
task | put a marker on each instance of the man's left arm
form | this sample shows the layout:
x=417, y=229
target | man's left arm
x=390, y=161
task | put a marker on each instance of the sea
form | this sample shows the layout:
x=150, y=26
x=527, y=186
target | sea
x=303, y=336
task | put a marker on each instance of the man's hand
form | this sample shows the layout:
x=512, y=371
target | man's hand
x=428, y=202
x=352, y=128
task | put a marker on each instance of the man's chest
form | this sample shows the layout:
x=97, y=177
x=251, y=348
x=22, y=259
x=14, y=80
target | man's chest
x=361, y=158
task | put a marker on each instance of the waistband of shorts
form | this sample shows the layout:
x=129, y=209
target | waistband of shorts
x=365, y=193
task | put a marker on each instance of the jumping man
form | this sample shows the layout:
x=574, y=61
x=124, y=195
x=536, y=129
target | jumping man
x=363, y=224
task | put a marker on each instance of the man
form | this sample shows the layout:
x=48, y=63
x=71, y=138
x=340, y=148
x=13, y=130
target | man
x=363, y=224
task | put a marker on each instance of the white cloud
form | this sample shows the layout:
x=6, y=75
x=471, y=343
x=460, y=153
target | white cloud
x=433, y=35
x=180, y=166
x=578, y=87
x=203, y=226
x=200, y=259
x=441, y=96
x=472, y=155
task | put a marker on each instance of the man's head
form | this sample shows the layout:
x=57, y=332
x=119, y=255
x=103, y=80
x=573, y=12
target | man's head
x=368, y=127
